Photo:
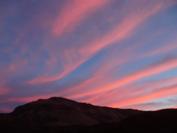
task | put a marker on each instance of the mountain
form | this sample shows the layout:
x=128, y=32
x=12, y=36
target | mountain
x=161, y=121
x=60, y=115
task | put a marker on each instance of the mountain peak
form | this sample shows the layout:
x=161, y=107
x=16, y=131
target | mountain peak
x=59, y=99
x=54, y=100
x=53, y=103
x=62, y=111
x=58, y=114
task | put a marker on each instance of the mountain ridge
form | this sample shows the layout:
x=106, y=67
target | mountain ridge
x=66, y=110
x=63, y=115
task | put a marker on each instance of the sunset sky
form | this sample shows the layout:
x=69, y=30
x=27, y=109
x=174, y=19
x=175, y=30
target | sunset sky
x=117, y=53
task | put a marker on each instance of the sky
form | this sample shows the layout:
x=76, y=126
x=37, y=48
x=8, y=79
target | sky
x=116, y=53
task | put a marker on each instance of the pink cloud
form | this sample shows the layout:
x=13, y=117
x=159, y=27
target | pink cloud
x=11, y=69
x=121, y=31
x=73, y=13
x=163, y=92
x=132, y=91
x=98, y=76
x=149, y=71
x=4, y=90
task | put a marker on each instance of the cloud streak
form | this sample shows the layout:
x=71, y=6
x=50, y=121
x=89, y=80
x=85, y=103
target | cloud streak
x=88, y=50
x=121, y=31
x=74, y=12
x=163, y=66
x=163, y=92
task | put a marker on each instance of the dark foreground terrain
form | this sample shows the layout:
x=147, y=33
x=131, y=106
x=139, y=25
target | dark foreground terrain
x=59, y=115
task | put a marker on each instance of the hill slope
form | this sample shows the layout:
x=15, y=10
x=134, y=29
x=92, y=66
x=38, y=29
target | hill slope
x=57, y=114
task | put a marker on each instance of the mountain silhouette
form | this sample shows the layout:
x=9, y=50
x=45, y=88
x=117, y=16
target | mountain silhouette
x=62, y=115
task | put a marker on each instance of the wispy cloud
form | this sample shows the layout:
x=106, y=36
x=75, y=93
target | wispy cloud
x=160, y=67
x=89, y=51
x=74, y=12
x=4, y=90
x=132, y=91
x=121, y=31
x=161, y=93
